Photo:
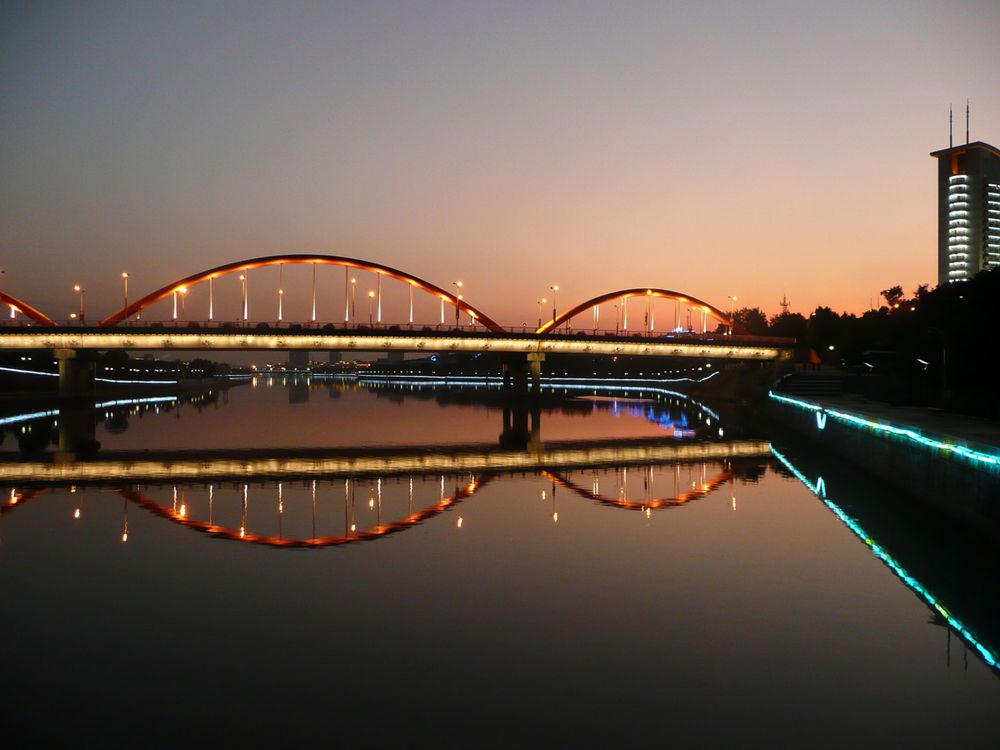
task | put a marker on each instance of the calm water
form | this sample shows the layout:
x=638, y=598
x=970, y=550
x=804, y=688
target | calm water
x=334, y=580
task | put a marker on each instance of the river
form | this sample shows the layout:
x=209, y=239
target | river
x=307, y=560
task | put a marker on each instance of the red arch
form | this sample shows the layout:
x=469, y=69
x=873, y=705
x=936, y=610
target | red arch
x=641, y=292
x=367, y=535
x=327, y=260
x=654, y=504
x=24, y=307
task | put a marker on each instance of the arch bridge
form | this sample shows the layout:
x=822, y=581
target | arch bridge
x=525, y=347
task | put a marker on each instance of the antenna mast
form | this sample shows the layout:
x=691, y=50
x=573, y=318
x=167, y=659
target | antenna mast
x=784, y=303
x=966, y=121
x=951, y=117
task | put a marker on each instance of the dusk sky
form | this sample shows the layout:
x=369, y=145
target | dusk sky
x=721, y=148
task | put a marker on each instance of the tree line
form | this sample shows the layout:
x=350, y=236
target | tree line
x=934, y=346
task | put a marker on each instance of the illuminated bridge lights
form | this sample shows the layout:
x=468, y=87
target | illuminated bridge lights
x=978, y=458
x=322, y=340
x=818, y=488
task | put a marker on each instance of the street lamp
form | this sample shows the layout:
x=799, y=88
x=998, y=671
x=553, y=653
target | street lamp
x=554, y=288
x=79, y=289
x=371, y=299
x=458, y=285
x=183, y=291
x=125, y=282
x=243, y=282
x=354, y=294
x=281, y=293
x=541, y=302
x=732, y=301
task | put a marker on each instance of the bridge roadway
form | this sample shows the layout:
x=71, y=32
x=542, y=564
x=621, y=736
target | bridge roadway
x=204, y=466
x=329, y=338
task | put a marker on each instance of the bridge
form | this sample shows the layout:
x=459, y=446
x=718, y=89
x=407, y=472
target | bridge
x=523, y=348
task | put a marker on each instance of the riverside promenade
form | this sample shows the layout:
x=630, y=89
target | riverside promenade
x=948, y=461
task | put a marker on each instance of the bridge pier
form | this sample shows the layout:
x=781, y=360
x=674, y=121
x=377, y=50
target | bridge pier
x=298, y=359
x=517, y=371
x=535, y=360
x=77, y=370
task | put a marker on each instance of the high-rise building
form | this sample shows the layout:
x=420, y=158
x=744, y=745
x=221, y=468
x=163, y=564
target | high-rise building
x=968, y=210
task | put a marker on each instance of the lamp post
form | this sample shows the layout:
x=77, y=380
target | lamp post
x=732, y=302
x=243, y=281
x=554, y=288
x=371, y=314
x=541, y=302
x=125, y=282
x=183, y=291
x=80, y=290
x=458, y=285
x=354, y=299
x=13, y=310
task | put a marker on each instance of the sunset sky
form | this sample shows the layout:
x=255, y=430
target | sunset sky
x=718, y=148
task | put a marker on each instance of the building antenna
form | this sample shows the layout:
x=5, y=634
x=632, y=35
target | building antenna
x=951, y=118
x=966, y=121
x=784, y=303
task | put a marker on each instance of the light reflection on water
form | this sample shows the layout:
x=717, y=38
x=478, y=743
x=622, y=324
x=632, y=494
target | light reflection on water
x=486, y=608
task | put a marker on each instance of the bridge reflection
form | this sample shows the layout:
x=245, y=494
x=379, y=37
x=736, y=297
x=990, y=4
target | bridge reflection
x=171, y=466
x=72, y=427
x=264, y=513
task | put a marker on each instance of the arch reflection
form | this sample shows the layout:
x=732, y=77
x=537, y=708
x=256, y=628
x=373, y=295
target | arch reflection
x=180, y=515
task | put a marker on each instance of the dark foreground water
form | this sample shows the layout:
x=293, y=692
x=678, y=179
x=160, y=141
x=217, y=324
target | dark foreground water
x=729, y=589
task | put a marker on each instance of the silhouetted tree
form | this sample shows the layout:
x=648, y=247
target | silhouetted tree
x=790, y=325
x=752, y=319
x=893, y=295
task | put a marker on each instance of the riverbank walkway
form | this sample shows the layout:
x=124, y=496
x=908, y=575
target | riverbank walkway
x=822, y=392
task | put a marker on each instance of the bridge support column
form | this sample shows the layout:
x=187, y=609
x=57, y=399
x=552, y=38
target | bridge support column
x=76, y=373
x=535, y=360
x=515, y=377
x=298, y=359
x=77, y=431
x=516, y=372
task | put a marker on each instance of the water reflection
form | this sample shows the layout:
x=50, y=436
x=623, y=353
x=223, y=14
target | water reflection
x=85, y=430
x=548, y=595
x=300, y=514
x=941, y=612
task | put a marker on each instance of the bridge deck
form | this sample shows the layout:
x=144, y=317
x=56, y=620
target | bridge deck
x=329, y=338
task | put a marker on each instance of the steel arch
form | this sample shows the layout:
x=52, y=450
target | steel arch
x=327, y=260
x=638, y=292
x=36, y=315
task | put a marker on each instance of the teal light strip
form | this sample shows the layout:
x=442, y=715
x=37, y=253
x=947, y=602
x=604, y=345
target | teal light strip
x=907, y=433
x=819, y=490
